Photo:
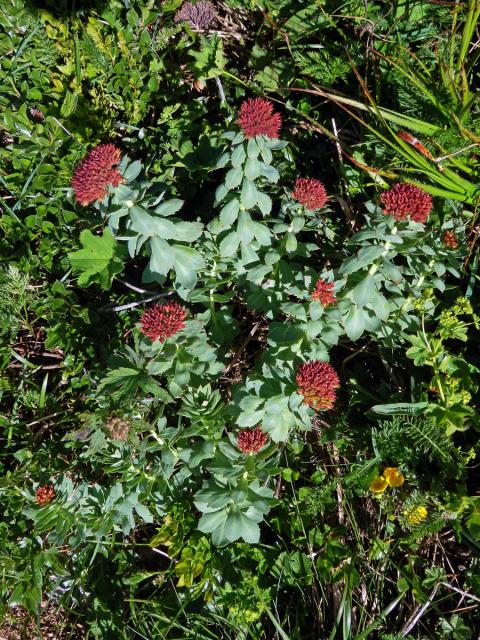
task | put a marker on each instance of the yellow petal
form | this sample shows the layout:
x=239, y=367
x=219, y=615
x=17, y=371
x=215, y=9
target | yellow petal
x=378, y=485
x=417, y=515
x=394, y=476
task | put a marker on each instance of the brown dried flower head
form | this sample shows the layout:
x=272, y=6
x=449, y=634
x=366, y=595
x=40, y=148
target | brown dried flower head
x=118, y=428
x=199, y=15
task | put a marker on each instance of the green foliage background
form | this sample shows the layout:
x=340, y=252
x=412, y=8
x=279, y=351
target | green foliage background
x=161, y=527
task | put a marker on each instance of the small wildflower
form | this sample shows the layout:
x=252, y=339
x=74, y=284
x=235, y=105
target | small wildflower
x=251, y=440
x=311, y=193
x=317, y=383
x=257, y=118
x=199, y=15
x=45, y=494
x=407, y=201
x=163, y=321
x=95, y=173
x=118, y=428
x=378, y=485
x=323, y=292
x=417, y=515
x=394, y=476
x=450, y=239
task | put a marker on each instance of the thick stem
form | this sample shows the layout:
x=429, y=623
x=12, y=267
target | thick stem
x=386, y=249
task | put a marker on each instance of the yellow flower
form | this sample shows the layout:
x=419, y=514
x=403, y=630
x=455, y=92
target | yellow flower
x=416, y=515
x=394, y=476
x=378, y=485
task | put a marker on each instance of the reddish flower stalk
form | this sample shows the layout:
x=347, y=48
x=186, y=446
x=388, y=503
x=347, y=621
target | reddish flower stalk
x=317, y=383
x=95, y=173
x=450, y=239
x=163, y=321
x=324, y=293
x=407, y=201
x=45, y=494
x=251, y=440
x=257, y=118
x=310, y=192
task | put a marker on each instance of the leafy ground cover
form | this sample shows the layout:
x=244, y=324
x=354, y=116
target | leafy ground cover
x=239, y=362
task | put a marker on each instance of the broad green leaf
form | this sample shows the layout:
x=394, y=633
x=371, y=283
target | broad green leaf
x=245, y=227
x=238, y=156
x=354, y=323
x=365, y=257
x=269, y=172
x=188, y=263
x=233, y=178
x=169, y=207
x=248, y=196
x=162, y=257
x=96, y=261
x=252, y=148
x=229, y=244
x=264, y=203
x=238, y=525
x=187, y=231
x=364, y=291
x=252, y=169
x=229, y=212
x=132, y=171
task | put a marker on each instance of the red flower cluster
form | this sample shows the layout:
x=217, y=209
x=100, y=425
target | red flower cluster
x=317, y=383
x=310, y=192
x=450, y=239
x=251, y=440
x=163, y=321
x=257, y=118
x=95, y=173
x=45, y=494
x=324, y=292
x=407, y=201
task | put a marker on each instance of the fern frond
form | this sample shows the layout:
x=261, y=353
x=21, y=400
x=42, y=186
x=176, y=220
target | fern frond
x=13, y=298
x=326, y=68
x=411, y=440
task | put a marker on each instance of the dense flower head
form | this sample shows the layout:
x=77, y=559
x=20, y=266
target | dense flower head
x=407, y=201
x=199, y=15
x=317, y=382
x=323, y=292
x=45, y=494
x=96, y=172
x=163, y=321
x=251, y=440
x=118, y=428
x=257, y=118
x=450, y=239
x=310, y=192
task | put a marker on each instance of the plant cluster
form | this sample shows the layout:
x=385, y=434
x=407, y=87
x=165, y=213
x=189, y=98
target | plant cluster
x=239, y=365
